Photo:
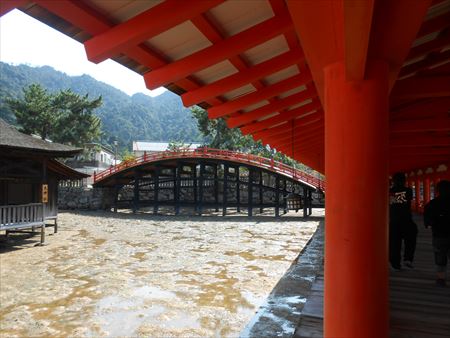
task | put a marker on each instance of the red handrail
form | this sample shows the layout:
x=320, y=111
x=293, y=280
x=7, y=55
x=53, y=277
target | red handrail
x=204, y=152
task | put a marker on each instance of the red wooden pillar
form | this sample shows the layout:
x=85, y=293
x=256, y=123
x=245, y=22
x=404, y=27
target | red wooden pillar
x=356, y=246
x=417, y=188
x=426, y=190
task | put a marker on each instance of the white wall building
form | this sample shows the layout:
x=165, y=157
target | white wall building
x=141, y=147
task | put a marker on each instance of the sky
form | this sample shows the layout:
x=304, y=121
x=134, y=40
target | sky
x=24, y=40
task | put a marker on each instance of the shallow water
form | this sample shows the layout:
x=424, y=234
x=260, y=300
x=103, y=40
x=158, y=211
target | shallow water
x=123, y=275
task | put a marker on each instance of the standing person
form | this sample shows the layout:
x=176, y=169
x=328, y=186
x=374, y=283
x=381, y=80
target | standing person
x=437, y=215
x=401, y=225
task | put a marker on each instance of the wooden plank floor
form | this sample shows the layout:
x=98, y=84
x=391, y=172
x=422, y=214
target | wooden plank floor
x=418, y=308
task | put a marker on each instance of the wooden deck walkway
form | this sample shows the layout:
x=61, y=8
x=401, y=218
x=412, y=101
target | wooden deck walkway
x=418, y=308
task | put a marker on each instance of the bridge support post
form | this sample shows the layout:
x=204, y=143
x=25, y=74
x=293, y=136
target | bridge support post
x=305, y=202
x=136, y=198
x=116, y=197
x=261, y=208
x=216, y=188
x=310, y=201
x=284, y=196
x=156, y=190
x=225, y=189
x=195, y=186
x=177, y=188
x=201, y=183
x=277, y=196
x=238, y=188
x=250, y=192
x=356, y=157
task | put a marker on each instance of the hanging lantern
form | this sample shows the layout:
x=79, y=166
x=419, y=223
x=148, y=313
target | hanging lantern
x=294, y=202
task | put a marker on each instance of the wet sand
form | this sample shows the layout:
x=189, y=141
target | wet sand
x=110, y=275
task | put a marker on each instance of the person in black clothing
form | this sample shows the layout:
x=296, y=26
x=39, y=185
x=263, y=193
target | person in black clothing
x=437, y=215
x=401, y=225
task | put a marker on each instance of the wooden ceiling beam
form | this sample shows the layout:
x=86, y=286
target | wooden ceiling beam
x=144, y=26
x=280, y=118
x=434, y=25
x=421, y=87
x=8, y=5
x=265, y=93
x=420, y=141
x=423, y=108
x=268, y=109
x=218, y=52
x=357, y=23
x=281, y=129
x=242, y=78
x=406, y=126
x=431, y=60
x=86, y=18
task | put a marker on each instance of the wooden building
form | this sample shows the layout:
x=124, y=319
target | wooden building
x=29, y=175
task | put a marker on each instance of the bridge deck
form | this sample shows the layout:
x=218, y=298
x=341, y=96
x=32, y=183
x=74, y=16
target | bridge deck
x=418, y=308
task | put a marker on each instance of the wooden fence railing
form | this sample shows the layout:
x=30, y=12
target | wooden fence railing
x=21, y=216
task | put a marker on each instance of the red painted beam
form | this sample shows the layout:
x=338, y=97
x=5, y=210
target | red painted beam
x=312, y=118
x=92, y=22
x=395, y=26
x=429, y=61
x=286, y=116
x=421, y=87
x=405, y=126
x=420, y=141
x=242, y=78
x=357, y=22
x=263, y=111
x=305, y=133
x=424, y=108
x=434, y=25
x=144, y=26
x=218, y=52
x=8, y=5
x=434, y=45
x=265, y=93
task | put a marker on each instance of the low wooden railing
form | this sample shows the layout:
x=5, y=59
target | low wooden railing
x=21, y=216
x=259, y=161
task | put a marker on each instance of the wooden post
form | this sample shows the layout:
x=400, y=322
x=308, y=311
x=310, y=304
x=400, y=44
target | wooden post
x=356, y=302
x=284, y=195
x=116, y=197
x=44, y=203
x=277, y=195
x=261, y=209
x=201, y=183
x=216, y=188
x=310, y=201
x=250, y=192
x=305, y=202
x=225, y=189
x=177, y=188
x=195, y=188
x=136, y=191
x=238, y=189
x=156, y=190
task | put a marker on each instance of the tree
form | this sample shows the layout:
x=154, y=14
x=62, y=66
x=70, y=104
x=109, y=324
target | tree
x=63, y=117
x=36, y=113
x=219, y=136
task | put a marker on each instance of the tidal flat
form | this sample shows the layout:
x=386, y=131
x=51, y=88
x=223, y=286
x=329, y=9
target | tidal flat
x=123, y=275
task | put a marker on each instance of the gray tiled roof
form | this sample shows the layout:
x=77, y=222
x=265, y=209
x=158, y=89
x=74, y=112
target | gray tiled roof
x=11, y=138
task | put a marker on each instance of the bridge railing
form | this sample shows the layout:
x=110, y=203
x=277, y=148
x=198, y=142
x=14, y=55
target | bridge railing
x=216, y=154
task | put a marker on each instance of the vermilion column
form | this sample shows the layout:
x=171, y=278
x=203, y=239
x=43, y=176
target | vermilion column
x=426, y=190
x=356, y=168
x=417, y=188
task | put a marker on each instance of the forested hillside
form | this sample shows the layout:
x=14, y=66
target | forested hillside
x=137, y=117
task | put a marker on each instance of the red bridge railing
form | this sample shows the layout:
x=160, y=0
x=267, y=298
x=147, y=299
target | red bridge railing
x=234, y=156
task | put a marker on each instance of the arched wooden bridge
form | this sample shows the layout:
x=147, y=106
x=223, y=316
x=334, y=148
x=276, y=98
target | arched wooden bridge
x=207, y=178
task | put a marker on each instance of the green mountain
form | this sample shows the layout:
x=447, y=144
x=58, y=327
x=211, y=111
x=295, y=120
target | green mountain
x=128, y=118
